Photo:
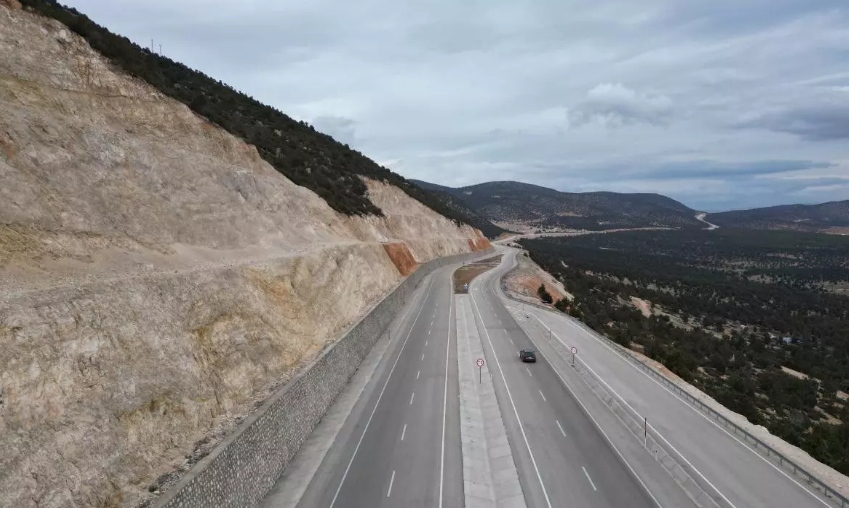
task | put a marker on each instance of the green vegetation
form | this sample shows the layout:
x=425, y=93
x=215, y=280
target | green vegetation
x=544, y=295
x=731, y=311
x=305, y=156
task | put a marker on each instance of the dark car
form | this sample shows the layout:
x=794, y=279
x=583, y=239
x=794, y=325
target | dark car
x=527, y=355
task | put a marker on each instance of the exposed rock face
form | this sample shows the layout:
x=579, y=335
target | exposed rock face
x=157, y=278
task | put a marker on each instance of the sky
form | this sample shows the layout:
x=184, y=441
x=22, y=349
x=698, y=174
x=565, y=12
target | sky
x=721, y=104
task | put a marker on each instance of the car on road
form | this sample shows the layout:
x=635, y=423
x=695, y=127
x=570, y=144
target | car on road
x=527, y=355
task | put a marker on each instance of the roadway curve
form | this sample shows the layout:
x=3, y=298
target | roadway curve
x=740, y=477
x=400, y=443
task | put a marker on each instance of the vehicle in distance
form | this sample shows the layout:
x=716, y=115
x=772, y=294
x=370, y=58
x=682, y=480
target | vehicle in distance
x=527, y=355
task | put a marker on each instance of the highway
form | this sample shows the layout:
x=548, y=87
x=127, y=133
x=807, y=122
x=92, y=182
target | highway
x=401, y=444
x=740, y=477
x=562, y=458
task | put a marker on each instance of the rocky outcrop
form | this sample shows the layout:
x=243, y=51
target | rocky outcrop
x=158, y=277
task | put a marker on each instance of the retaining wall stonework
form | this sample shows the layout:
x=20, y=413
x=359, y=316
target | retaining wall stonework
x=242, y=468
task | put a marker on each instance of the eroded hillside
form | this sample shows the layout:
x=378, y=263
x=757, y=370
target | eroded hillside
x=158, y=277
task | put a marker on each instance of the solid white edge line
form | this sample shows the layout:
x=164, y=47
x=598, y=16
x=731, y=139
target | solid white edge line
x=588, y=478
x=374, y=409
x=732, y=436
x=391, y=481
x=445, y=396
x=655, y=430
x=561, y=428
x=603, y=433
x=404, y=432
x=513, y=404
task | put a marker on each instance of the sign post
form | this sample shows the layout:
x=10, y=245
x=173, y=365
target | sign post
x=574, y=352
x=480, y=363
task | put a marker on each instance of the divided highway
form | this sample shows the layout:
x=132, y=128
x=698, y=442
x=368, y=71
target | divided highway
x=399, y=445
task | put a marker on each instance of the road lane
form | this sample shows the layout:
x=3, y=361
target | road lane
x=374, y=466
x=739, y=474
x=563, y=445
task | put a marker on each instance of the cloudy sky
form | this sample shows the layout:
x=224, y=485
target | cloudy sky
x=718, y=103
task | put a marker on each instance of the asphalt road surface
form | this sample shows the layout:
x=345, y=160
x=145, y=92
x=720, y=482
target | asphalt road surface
x=401, y=447
x=740, y=476
x=562, y=458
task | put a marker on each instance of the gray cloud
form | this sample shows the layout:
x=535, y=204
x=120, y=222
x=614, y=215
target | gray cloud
x=824, y=119
x=714, y=103
x=615, y=104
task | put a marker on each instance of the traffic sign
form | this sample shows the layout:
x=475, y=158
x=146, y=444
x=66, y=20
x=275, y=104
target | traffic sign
x=574, y=350
x=480, y=362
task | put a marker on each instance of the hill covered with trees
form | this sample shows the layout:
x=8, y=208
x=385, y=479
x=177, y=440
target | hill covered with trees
x=307, y=157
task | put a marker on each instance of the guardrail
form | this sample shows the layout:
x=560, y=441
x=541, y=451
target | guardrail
x=764, y=449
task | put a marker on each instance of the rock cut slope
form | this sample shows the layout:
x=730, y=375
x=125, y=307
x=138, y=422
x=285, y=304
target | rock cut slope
x=157, y=277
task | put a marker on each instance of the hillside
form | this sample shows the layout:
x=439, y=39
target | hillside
x=463, y=212
x=523, y=206
x=158, y=276
x=307, y=157
x=825, y=217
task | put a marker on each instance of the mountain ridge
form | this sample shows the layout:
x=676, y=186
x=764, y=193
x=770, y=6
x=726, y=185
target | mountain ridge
x=530, y=206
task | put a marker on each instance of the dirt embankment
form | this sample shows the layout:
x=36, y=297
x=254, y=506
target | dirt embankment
x=157, y=277
x=525, y=280
x=467, y=273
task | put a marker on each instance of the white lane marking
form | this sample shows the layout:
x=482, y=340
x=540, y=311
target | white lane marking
x=413, y=396
x=422, y=357
x=404, y=432
x=428, y=332
x=515, y=411
x=588, y=478
x=529, y=372
x=445, y=399
x=655, y=430
x=391, y=481
x=560, y=427
x=511, y=341
x=606, y=437
x=374, y=409
x=541, y=395
x=417, y=374
x=425, y=343
x=732, y=436
x=431, y=322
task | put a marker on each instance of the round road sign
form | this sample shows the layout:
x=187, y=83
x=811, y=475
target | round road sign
x=574, y=350
x=480, y=362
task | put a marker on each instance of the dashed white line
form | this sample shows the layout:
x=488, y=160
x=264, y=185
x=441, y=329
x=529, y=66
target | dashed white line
x=515, y=411
x=413, y=396
x=418, y=373
x=422, y=357
x=541, y=395
x=588, y=478
x=425, y=343
x=380, y=396
x=404, y=432
x=511, y=342
x=529, y=372
x=391, y=481
x=560, y=427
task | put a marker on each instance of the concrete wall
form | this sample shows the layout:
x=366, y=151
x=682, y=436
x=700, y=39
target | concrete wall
x=241, y=470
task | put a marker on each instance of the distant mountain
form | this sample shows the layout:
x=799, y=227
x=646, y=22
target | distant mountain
x=532, y=206
x=826, y=217
x=460, y=210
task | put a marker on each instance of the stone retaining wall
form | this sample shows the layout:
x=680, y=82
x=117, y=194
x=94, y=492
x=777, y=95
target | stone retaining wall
x=240, y=471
